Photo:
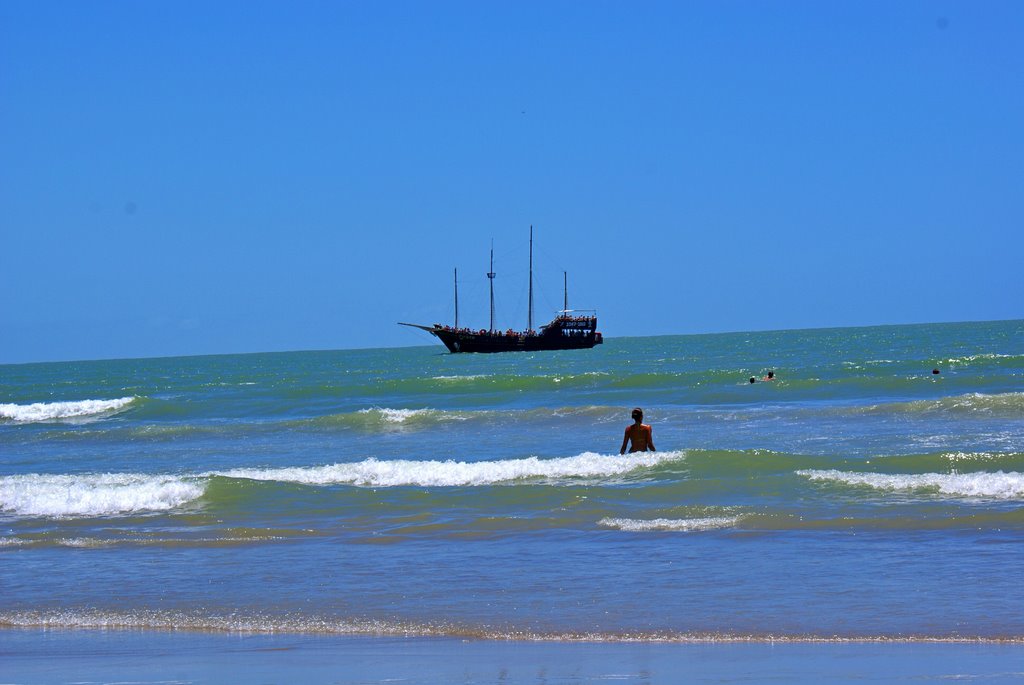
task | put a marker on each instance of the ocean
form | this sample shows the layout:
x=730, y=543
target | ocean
x=414, y=495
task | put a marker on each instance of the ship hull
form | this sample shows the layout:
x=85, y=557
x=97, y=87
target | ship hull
x=467, y=341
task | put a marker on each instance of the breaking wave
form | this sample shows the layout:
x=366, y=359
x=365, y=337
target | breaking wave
x=63, y=496
x=397, y=417
x=374, y=473
x=222, y=539
x=995, y=485
x=990, y=357
x=66, y=496
x=1000, y=404
x=375, y=419
x=394, y=415
x=675, y=525
x=52, y=411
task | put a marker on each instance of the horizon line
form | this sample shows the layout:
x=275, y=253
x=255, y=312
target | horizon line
x=401, y=347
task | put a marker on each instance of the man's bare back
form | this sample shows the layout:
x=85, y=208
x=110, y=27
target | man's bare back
x=639, y=435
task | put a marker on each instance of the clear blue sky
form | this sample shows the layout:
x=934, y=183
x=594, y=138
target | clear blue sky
x=206, y=177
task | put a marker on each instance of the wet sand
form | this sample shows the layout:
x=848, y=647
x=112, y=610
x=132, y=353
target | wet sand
x=29, y=656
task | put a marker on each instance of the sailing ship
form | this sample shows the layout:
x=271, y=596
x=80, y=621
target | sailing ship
x=569, y=330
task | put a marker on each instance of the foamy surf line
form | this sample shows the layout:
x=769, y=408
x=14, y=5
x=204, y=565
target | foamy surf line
x=688, y=525
x=66, y=496
x=40, y=542
x=374, y=473
x=69, y=496
x=52, y=411
x=257, y=623
x=975, y=403
x=388, y=415
x=997, y=485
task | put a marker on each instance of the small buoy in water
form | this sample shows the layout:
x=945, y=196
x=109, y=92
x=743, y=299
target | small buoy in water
x=935, y=371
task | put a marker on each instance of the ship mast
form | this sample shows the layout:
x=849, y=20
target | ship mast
x=456, y=299
x=490, y=276
x=565, y=293
x=529, y=320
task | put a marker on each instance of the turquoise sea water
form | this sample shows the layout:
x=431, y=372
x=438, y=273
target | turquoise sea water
x=412, y=492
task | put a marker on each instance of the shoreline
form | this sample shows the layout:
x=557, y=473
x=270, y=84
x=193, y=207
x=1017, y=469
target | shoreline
x=312, y=627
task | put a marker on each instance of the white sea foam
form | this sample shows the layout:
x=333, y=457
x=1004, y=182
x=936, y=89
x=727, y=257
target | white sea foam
x=979, y=357
x=394, y=415
x=49, y=411
x=65, y=496
x=69, y=496
x=319, y=624
x=958, y=457
x=402, y=416
x=144, y=541
x=230, y=622
x=84, y=543
x=374, y=473
x=1008, y=402
x=997, y=485
x=675, y=525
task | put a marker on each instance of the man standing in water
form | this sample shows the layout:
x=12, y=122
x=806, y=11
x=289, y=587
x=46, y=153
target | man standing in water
x=638, y=435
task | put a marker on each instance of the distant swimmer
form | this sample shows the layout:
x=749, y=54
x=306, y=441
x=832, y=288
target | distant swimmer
x=638, y=435
x=935, y=371
x=769, y=377
x=753, y=380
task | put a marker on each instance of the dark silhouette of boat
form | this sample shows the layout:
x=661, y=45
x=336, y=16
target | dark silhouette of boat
x=569, y=330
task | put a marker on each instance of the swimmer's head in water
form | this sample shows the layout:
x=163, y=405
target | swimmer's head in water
x=753, y=380
x=638, y=414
